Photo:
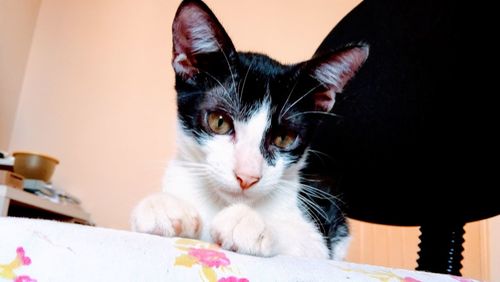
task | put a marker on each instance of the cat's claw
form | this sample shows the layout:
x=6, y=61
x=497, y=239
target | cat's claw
x=241, y=229
x=166, y=215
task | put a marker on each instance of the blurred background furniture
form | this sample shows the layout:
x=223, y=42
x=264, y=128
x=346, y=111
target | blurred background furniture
x=26, y=190
x=406, y=149
x=18, y=203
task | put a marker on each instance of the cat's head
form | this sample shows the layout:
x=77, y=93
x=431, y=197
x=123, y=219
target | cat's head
x=246, y=120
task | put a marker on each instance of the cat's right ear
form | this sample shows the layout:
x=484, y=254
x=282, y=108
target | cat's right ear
x=334, y=70
x=196, y=31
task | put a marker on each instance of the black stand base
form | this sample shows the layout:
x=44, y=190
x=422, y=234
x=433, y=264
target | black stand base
x=441, y=248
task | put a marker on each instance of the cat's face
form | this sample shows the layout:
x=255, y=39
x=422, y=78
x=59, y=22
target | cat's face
x=246, y=120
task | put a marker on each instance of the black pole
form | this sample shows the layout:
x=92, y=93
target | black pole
x=441, y=248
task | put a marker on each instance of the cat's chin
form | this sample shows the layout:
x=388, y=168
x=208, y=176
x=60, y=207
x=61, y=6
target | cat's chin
x=234, y=196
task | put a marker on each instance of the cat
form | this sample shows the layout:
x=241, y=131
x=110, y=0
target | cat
x=244, y=123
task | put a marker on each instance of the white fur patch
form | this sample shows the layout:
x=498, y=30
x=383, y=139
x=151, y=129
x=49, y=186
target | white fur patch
x=177, y=63
x=331, y=74
x=339, y=250
x=166, y=215
x=241, y=229
x=203, y=37
x=250, y=133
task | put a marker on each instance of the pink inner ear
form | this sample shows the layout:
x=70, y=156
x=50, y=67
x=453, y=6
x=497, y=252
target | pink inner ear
x=340, y=67
x=324, y=100
x=334, y=73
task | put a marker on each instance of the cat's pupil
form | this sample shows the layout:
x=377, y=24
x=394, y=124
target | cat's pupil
x=219, y=123
x=285, y=140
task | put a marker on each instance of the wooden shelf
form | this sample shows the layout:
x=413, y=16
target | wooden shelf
x=15, y=202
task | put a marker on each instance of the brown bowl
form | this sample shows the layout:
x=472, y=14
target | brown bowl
x=34, y=166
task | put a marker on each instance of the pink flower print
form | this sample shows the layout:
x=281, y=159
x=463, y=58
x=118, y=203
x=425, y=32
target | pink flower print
x=24, y=278
x=22, y=257
x=7, y=271
x=232, y=279
x=410, y=279
x=209, y=258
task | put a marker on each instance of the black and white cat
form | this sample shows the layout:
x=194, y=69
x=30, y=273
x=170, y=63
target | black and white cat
x=244, y=123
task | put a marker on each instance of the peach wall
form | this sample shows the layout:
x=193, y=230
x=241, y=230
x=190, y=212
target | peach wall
x=17, y=23
x=493, y=229
x=98, y=92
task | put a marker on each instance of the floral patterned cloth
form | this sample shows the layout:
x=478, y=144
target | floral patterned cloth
x=38, y=250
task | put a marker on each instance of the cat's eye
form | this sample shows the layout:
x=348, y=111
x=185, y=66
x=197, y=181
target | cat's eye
x=285, y=140
x=219, y=123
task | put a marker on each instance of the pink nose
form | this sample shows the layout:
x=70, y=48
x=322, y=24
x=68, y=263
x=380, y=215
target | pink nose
x=246, y=181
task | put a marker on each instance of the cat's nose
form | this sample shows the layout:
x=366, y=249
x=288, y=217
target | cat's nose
x=246, y=181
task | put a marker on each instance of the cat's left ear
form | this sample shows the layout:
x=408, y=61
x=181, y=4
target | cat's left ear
x=333, y=71
x=197, y=31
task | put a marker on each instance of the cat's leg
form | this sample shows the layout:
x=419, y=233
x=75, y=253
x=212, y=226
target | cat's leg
x=166, y=215
x=297, y=236
x=339, y=246
x=241, y=229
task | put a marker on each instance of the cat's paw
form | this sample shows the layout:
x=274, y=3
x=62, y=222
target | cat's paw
x=166, y=215
x=241, y=229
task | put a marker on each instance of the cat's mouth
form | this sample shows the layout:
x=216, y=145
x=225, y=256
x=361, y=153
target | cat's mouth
x=233, y=195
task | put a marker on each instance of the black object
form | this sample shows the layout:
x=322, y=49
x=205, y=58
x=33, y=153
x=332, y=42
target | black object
x=407, y=149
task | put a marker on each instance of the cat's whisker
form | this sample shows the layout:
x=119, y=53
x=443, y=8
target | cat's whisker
x=228, y=64
x=319, y=153
x=228, y=94
x=312, y=215
x=199, y=168
x=313, y=112
x=189, y=163
x=210, y=182
x=188, y=95
x=312, y=205
x=308, y=203
x=314, y=192
x=197, y=172
x=267, y=95
x=245, y=78
x=303, y=185
x=280, y=116
x=194, y=165
x=312, y=209
x=300, y=98
x=310, y=179
x=320, y=194
x=218, y=82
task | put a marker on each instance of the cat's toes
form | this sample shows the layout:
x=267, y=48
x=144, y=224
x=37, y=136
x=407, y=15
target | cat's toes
x=240, y=229
x=166, y=215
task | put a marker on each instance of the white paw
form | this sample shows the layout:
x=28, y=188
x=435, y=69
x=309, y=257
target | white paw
x=240, y=229
x=166, y=215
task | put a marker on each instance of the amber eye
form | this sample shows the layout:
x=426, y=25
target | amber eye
x=219, y=123
x=286, y=140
